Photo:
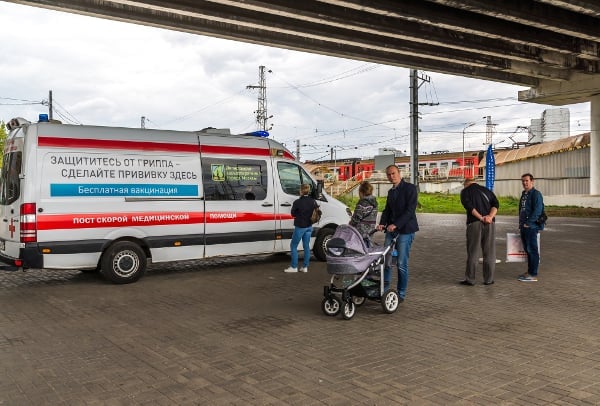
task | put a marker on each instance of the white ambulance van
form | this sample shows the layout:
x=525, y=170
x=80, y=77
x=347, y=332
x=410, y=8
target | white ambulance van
x=112, y=199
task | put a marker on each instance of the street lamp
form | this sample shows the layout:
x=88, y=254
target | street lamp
x=333, y=151
x=463, y=149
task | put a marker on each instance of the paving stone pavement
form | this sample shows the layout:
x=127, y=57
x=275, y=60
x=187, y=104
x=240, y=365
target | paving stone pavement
x=240, y=331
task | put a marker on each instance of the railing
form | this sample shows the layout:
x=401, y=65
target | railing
x=338, y=188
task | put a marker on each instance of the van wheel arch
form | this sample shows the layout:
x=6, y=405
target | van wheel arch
x=320, y=247
x=124, y=261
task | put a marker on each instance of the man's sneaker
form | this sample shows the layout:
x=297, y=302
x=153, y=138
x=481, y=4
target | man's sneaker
x=528, y=278
x=303, y=269
x=290, y=270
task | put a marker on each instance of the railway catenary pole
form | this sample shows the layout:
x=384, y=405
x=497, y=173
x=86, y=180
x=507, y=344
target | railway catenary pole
x=414, y=122
x=414, y=127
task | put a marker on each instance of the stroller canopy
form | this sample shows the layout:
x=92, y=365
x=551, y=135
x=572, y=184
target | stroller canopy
x=348, y=238
x=347, y=252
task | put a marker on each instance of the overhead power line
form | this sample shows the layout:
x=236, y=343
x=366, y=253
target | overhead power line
x=19, y=102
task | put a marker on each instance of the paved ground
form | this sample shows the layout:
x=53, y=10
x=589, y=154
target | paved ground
x=243, y=332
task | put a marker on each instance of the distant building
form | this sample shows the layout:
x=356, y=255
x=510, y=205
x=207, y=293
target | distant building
x=390, y=151
x=561, y=167
x=553, y=125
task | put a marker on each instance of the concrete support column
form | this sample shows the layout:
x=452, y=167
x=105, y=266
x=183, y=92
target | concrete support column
x=595, y=145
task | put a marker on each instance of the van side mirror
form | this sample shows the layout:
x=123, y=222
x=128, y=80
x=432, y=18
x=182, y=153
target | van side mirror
x=319, y=191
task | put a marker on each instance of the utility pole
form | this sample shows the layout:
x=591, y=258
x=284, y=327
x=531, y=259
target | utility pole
x=261, y=111
x=414, y=127
x=489, y=130
x=414, y=122
x=50, y=105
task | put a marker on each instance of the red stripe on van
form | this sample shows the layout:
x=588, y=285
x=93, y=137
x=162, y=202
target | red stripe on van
x=63, y=142
x=226, y=150
x=60, y=142
x=47, y=222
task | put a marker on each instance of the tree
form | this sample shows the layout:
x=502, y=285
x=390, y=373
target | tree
x=3, y=135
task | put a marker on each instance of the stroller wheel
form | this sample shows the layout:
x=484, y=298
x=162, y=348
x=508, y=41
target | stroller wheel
x=359, y=300
x=349, y=310
x=390, y=301
x=331, y=306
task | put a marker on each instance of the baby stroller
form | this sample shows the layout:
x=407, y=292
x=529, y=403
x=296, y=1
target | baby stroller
x=357, y=274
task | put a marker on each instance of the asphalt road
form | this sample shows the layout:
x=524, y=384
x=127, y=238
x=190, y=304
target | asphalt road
x=240, y=331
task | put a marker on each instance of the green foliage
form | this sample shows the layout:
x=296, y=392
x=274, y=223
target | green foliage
x=439, y=203
x=3, y=134
x=450, y=204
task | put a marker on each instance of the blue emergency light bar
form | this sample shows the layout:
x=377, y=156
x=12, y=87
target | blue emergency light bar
x=259, y=133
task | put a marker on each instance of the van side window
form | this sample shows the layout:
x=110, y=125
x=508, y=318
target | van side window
x=292, y=176
x=10, y=183
x=234, y=179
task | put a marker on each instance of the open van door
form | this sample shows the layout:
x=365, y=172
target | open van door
x=11, y=198
x=290, y=175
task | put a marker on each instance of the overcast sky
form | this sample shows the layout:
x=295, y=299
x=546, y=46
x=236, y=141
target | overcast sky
x=111, y=73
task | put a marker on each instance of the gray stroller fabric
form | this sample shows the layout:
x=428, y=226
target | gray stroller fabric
x=347, y=252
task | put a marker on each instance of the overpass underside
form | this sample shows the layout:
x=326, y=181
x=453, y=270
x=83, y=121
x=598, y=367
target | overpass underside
x=551, y=47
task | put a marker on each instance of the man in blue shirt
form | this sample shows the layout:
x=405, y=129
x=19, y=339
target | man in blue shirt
x=531, y=207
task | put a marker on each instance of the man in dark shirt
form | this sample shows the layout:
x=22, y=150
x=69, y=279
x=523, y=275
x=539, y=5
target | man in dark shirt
x=399, y=218
x=481, y=205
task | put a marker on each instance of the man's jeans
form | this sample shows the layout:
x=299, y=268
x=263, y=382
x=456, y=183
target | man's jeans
x=301, y=233
x=403, y=244
x=530, y=245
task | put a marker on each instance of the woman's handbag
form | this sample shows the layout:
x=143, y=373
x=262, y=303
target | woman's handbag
x=316, y=215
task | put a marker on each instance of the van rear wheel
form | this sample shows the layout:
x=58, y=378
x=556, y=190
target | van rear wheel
x=320, y=247
x=123, y=262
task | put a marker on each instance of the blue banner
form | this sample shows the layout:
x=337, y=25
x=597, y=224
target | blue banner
x=490, y=168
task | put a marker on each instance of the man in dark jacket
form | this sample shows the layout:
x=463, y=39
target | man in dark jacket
x=399, y=218
x=530, y=208
x=481, y=205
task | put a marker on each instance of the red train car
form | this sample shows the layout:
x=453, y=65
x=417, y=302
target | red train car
x=355, y=169
x=436, y=166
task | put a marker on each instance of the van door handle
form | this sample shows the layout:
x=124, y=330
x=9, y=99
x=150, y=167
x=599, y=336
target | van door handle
x=267, y=205
x=286, y=204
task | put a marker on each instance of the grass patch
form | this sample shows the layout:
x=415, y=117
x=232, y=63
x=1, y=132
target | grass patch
x=450, y=204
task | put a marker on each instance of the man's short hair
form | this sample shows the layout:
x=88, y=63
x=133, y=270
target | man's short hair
x=527, y=174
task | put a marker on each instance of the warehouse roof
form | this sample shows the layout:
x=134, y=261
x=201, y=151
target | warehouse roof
x=545, y=148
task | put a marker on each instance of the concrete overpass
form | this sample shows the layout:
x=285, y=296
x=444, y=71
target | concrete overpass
x=550, y=46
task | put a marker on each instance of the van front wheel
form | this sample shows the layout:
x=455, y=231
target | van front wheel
x=320, y=247
x=123, y=262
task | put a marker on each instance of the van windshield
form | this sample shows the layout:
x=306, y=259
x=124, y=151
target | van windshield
x=10, y=183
